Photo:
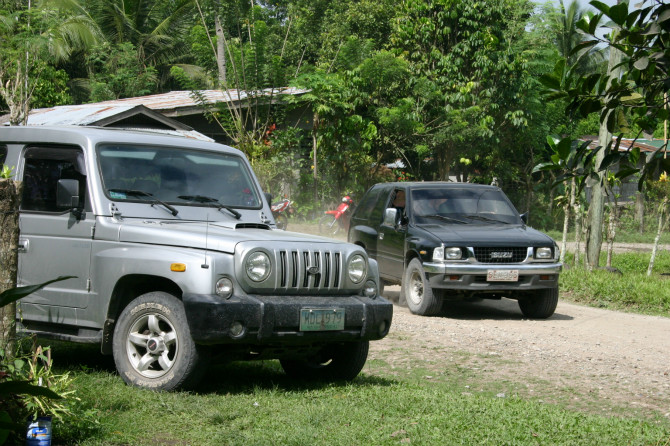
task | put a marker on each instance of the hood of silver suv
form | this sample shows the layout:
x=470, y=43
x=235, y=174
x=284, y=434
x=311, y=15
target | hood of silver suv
x=214, y=236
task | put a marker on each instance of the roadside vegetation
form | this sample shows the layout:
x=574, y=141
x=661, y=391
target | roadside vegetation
x=630, y=290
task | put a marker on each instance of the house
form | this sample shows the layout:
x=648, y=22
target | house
x=627, y=191
x=176, y=112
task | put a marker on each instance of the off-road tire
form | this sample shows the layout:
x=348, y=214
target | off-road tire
x=541, y=305
x=337, y=362
x=420, y=297
x=152, y=345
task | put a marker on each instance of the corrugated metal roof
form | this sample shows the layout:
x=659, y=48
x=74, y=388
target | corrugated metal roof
x=644, y=145
x=174, y=103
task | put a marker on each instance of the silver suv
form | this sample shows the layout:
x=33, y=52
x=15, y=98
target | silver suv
x=175, y=251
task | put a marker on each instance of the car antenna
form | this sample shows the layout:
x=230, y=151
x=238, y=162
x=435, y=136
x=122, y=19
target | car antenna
x=205, y=265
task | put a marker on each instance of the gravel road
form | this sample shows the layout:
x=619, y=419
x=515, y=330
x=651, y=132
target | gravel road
x=596, y=353
x=599, y=357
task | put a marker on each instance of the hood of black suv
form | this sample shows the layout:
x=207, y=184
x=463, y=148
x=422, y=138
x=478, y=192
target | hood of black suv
x=487, y=234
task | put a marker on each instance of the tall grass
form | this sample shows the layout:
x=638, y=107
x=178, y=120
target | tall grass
x=632, y=290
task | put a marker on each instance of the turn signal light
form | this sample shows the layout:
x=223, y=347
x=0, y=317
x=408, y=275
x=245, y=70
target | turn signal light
x=178, y=267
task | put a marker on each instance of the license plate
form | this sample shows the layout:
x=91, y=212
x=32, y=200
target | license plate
x=321, y=319
x=502, y=275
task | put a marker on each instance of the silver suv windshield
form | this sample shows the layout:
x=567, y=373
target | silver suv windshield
x=176, y=176
x=461, y=206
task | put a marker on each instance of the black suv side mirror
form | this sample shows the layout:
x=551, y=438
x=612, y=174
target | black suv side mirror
x=524, y=218
x=67, y=196
x=390, y=217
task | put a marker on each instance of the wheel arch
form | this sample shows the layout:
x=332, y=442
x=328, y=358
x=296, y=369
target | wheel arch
x=125, y=290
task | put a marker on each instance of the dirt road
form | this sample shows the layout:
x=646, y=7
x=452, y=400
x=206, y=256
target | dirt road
x=593, y=354
x=594, y=359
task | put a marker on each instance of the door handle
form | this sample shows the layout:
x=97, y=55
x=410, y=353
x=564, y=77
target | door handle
x=23, y=245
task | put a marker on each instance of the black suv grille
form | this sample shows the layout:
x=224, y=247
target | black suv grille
x=500, y=255
x=310, y=269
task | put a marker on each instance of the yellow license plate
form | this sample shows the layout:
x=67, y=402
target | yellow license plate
x=321, y=319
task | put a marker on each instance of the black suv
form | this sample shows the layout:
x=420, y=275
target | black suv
x=445, y=241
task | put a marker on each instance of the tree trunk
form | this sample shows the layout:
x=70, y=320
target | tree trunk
x=661, y=226
x=220, y=52
x=566, y=223
x=315, y=141
x=10, y=198
x=639, y=211
x=611, y=233
x=596, y=208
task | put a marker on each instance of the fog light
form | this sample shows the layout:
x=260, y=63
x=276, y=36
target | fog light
x=236, y=329
x=370, y=289
x=224, y=287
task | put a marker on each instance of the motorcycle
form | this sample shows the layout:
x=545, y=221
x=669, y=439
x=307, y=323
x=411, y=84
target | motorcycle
x=338, y=219
x=280, y=211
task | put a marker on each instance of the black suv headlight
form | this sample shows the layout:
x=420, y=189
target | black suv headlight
x=447, y=253
x=544, y=253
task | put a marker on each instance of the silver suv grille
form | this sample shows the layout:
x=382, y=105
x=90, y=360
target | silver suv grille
x=500, y=255
x=309, y=269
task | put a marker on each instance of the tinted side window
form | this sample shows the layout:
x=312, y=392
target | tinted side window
x=42, y=169
x=367, y=203
x=378, y=211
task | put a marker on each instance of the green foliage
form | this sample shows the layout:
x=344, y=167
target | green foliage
x=6, y=173
x=116, y=73
x=51, y=88
x=633, y=291
x=28, y=386
x=32, y=40
x=635, y=96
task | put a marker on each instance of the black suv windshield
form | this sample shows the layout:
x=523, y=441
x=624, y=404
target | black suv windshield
x=177, y=176
x=458, y=206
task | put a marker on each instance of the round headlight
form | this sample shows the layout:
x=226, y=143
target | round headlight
x=258, y=266
x=224, y=288
x=357, y=268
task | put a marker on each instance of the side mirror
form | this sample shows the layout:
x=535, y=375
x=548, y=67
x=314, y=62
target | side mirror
x=390, y=217
x=524, y=218
x=268, y=197
x=67, y=196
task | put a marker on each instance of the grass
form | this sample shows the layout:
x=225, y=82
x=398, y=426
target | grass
x=623, y=235
x=632, y=290
x=256, y=404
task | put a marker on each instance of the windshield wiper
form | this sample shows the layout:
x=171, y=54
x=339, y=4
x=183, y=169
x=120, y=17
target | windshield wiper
x=445, y=218
x=212, y=202
x=153, y=200
x=482, y=218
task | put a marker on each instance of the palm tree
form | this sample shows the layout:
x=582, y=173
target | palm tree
x=567, y=37
x=155, y=28
x=31, y=38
